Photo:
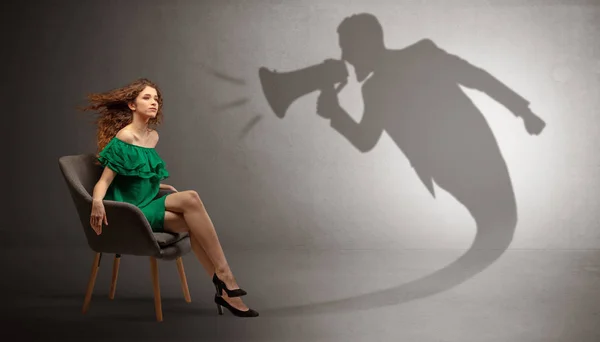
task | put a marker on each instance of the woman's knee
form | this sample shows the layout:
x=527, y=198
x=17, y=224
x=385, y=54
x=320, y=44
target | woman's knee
x=183, y=201
x=192, y=199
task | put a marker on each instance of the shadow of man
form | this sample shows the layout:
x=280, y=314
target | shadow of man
x=414, y=95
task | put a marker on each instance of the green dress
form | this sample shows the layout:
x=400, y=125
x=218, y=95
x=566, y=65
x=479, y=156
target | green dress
x=139, y=172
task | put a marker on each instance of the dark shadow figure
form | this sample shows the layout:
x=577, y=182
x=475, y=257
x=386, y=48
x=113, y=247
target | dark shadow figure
x=414, y=95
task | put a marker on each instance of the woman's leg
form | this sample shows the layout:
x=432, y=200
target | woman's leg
x=175, y=222
x=189, y=205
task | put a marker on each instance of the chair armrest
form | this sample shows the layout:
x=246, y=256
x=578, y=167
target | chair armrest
x=127, y=232
x=164, y=192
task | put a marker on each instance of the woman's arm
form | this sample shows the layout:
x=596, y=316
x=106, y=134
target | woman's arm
x=103, y=183
x=162, y=186
x=98, y=214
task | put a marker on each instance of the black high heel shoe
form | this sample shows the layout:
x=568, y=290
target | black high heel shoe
x=220, y=287
x=236, y=312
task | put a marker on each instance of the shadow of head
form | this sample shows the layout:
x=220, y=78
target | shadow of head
x=361, y=41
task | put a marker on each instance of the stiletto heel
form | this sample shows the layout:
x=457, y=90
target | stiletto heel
x=220, y=287
x=236, y=312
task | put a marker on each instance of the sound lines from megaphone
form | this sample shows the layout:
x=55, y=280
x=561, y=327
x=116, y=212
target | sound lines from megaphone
x=229, y=79
x=250, y=125
x=225, y=77
x=235, y=103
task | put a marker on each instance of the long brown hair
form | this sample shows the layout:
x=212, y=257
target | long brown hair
x=113, y=111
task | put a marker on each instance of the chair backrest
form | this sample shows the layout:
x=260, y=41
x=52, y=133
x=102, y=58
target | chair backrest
x=81, y=174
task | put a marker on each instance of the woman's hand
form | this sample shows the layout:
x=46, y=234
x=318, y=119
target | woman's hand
x=168, y=187
x=98, y=216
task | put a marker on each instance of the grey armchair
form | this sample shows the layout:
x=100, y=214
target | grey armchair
x=128, y=232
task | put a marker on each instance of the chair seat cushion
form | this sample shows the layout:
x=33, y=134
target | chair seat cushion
x=166, y=239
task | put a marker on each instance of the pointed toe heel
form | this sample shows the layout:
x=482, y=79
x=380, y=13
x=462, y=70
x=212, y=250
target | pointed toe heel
x=236, y=312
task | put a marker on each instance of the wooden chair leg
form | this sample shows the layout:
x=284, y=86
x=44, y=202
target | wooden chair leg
x=91, y=283
x=115, y=274
x=156, y=286
x=182, y=277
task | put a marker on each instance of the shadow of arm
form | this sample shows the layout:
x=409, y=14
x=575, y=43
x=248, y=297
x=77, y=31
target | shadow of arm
x=474, y=77
x=363, y=135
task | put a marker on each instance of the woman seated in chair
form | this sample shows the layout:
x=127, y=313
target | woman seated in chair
x=133, y=172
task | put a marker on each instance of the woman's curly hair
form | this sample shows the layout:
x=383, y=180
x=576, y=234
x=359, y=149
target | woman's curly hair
x=113, y=111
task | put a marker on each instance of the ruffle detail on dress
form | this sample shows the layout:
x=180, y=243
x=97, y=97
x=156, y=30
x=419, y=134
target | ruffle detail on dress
x=131, y=160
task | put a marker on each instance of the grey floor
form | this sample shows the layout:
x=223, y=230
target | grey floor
x=302, y=295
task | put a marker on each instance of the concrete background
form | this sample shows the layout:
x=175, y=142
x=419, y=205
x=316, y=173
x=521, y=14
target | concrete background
x=295, y=184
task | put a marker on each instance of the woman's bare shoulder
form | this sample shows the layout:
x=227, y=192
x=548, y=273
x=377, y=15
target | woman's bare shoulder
x=155, y=136
x=125, y=135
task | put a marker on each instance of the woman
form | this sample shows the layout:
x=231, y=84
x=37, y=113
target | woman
x=133, y=171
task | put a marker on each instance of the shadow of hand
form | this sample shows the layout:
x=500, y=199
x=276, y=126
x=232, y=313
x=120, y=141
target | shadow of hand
x=533, y=123
x=328, y=103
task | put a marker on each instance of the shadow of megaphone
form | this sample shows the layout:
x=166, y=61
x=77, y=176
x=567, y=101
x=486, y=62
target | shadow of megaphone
x=281, y=89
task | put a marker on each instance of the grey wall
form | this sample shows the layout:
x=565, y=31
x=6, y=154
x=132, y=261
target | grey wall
x=295, y=182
